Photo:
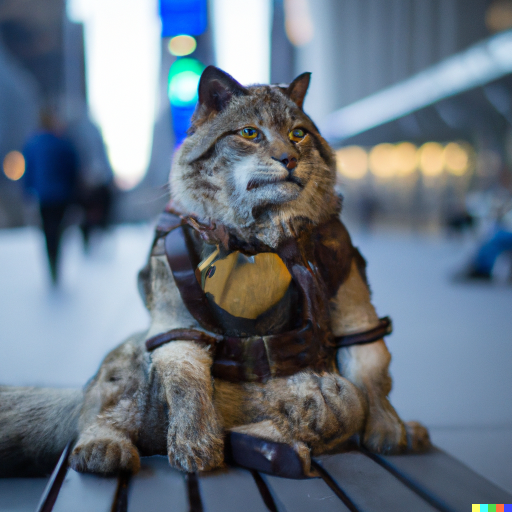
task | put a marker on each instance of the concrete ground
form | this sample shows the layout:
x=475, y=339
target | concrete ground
x=452, y=344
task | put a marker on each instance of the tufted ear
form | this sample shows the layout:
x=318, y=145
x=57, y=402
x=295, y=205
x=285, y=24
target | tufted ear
x=216, y=88
x=298, y=88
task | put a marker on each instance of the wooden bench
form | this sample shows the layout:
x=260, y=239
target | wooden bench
x=353, y=480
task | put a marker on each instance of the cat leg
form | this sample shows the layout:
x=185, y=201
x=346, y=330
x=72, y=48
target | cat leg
x=195, y=438
x=111, y=415
x=367, y=367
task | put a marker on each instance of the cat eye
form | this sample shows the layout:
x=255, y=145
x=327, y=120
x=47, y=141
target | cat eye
x=249, y=133
x=297, y=135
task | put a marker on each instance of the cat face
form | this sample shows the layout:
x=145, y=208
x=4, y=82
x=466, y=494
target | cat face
x=253, y=157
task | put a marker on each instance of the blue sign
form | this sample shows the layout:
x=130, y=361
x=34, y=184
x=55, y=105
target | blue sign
x=183, y=17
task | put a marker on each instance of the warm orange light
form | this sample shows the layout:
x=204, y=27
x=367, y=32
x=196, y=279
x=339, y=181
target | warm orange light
x=499, y=16
x=298, y=22
x=352, y=162
x=406, y=158
x=382, y=160
x=182, y=45
x=456, y=159
x=431, y=159
x=14, y=165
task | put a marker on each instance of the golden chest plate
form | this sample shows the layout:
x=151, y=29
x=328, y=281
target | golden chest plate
x=244, y=286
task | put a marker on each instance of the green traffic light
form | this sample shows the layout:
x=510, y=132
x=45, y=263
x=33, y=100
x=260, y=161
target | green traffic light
x=184, y=78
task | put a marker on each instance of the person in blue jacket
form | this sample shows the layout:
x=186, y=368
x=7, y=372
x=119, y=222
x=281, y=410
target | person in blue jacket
x=51, y=174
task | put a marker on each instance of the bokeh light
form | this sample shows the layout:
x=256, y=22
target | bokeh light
x=122, y=54
x=298, y=23
x=241, y=34
x=456, y=159
x=431, y=158
x=382, y=160
x=184, y=79
x=182, y=45
x=406, y=158
x=499, y=16
x=352, y=162
x=14, y=165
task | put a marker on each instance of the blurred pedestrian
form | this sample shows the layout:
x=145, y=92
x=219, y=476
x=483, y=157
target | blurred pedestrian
x=497, y=240
x=95, y=184
x=51, y=175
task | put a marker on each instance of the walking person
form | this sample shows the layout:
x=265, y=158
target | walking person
x=51, y=171
x=96, y=179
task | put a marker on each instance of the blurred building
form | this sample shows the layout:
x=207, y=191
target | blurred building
x=369, y=57
x=41, y=64
x=359, y=47
x=356, y=50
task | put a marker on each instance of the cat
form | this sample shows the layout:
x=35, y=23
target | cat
x=253, y=176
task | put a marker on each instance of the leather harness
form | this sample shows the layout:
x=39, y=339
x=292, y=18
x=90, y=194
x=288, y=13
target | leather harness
x=259, y=358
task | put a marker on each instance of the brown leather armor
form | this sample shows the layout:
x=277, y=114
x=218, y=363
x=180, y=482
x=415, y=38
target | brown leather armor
x=318, y=261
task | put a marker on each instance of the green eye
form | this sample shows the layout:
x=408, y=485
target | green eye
x=249, y=133
x=297, y=135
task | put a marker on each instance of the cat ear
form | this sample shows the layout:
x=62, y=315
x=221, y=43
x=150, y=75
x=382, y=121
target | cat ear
x=298, y=88
x=216, y=88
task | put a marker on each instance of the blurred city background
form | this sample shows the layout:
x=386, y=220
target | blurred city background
x=414, y=95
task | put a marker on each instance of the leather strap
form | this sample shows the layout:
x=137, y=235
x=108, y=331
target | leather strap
x=257, y=359
x=251, y=452
x=384, y=328
x=183, y=271
x=182, y=335
x=251, y=359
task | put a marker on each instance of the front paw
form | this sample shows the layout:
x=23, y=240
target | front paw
x=385, y=433
x=105, y=456
x=195, y=451
x=418, y=439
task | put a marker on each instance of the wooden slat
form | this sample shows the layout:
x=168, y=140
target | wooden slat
x=86, y=493
x=21, y=494
x=310, y=495
x=369, y=486
x=452, y=484
x=157, y=488
x=232, y=490
x=55, y=481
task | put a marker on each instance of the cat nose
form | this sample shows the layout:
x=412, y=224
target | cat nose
x=289, y=161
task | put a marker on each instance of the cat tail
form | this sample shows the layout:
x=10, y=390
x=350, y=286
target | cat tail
x=35, y=426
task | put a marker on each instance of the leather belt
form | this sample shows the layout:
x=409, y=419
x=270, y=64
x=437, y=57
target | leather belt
x=256, y=359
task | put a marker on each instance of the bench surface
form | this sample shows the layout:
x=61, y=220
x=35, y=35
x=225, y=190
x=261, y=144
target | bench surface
x=351, y=481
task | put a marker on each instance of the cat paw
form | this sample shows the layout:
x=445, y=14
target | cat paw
x=385, y=433
x=418, y=439
x=105, y=456
x=195, y=455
